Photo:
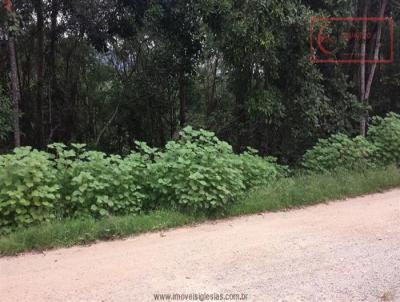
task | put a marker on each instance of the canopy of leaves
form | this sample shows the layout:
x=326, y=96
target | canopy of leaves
x=109, y=73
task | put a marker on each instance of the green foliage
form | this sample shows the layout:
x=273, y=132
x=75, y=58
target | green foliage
x=302, y=190
x=258, y=171
x=197, y=173
x=29, y=193
x=136, y=70
x=384, y=133
x=381, y=147
x=85, y=230
x=286, y=193
x=13, y=22
x=338, y=152
x=95, y=184
x=201, y=173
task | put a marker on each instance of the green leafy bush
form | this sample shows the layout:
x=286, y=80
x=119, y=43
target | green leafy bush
x=380, y=148
x=256, y=170
x=201, y=173
x=384, y=133
x=340, y=152
x=95, y=184
x=29, y=192
x=196, y=173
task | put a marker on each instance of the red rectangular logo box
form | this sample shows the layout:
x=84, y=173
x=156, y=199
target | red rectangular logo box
x=338, y=40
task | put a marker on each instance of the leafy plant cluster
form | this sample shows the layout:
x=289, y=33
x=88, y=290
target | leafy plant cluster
x=95, y=184
x=196, y=173
x=29, y=191
x=385, y=136
x=380, y=147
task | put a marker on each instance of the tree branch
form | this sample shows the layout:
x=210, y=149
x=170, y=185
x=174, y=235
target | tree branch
x=106, y=126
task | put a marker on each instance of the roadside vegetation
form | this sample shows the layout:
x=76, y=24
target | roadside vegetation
x=69, y=196
x=283, y=194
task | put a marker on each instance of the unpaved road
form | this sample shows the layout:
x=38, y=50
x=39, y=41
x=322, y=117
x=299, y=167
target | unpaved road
x=345, y=251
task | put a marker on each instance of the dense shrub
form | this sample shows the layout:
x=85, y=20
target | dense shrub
x=340, y=151
x=381, y=147
x=29, y=192
x=201, y=173
x=197, y=172
x=384, y=133
x=258, y=171
x=95, y=184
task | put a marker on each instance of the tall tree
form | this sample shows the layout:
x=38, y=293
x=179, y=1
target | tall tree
x=16, y=96
x=367, y=78
x=40, y=55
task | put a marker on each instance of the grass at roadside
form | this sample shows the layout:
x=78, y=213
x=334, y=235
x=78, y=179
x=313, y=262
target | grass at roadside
x=306, y=190
x=87, y=230
x=287, y=193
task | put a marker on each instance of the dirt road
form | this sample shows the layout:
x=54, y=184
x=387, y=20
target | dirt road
x=345, y=251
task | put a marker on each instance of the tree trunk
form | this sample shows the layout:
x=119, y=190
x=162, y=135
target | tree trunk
x=52, y=64
x=376, y=51
x=38, y=108
x=365, y=90
x=363, y=52
x=211, y=104
x=182, y=99
x=16, y=95
x=38, y=126
x=242, y=86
